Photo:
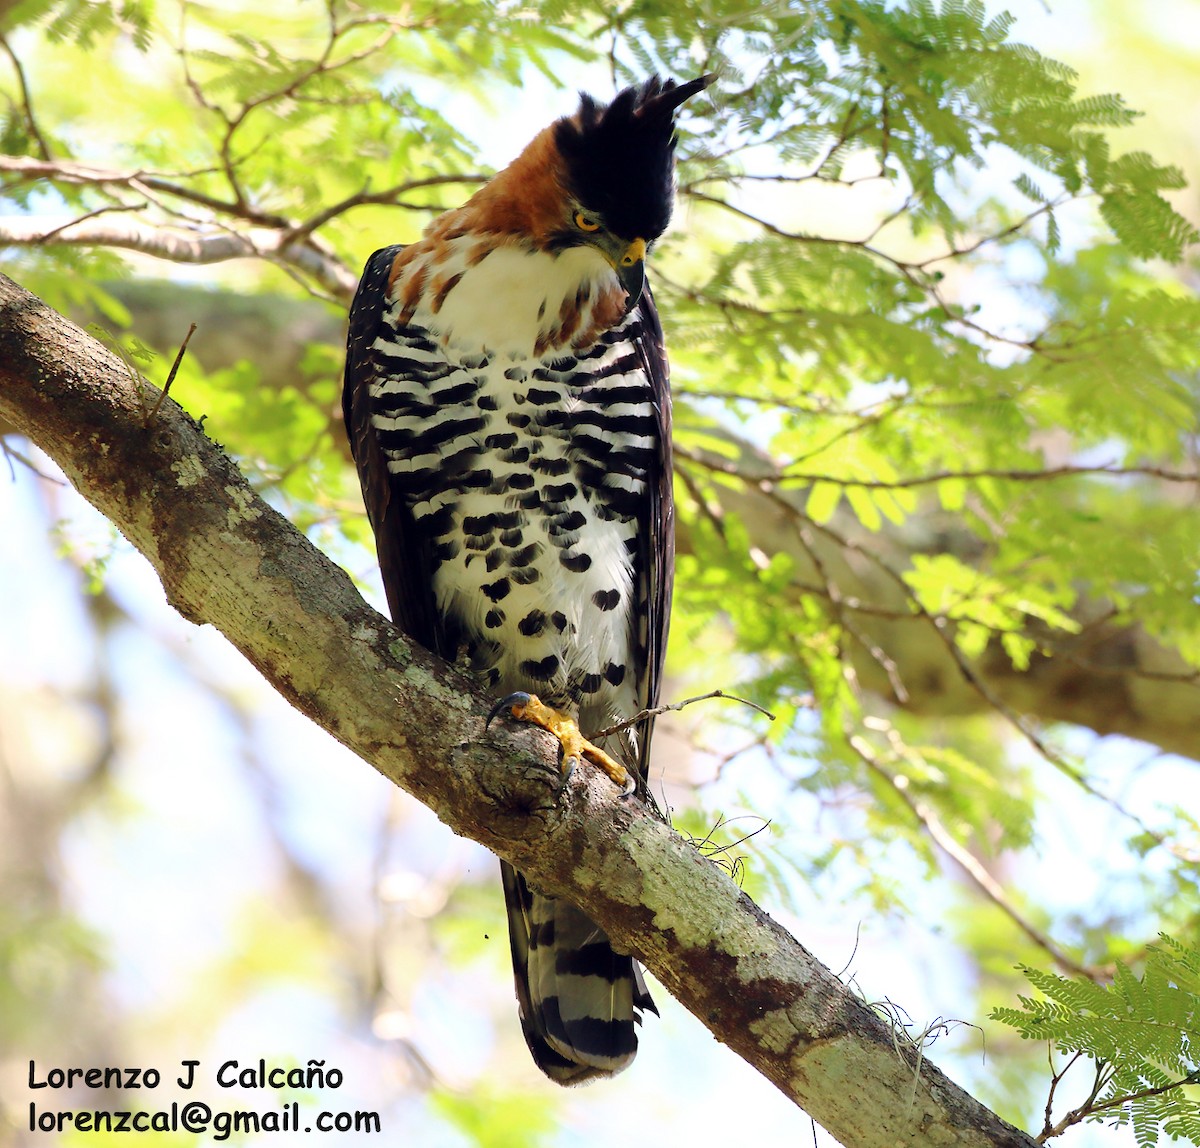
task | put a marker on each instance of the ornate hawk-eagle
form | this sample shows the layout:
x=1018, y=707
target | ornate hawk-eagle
x=507, y=404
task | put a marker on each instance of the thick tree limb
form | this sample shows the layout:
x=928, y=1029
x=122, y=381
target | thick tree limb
x=227, y=559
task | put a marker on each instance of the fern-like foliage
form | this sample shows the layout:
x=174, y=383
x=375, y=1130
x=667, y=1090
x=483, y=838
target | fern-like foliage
x=1142, y=1033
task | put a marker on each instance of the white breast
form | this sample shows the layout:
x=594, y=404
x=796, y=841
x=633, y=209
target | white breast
x=505, y=301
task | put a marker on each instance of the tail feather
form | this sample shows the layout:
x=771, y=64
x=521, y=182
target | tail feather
x=579, y=999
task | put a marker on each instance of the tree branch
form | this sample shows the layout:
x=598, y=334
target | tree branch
x=1111, y=676
x=31, y=124
x=180, y=245
x=227, y=559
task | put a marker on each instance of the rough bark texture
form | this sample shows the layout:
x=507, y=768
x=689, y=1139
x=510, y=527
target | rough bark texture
x=228, y=560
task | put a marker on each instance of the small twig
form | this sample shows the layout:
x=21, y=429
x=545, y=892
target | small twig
x=1090, y=1108
x=932, y=824
x=722, y=855
x=643, y=714
x=31, y=124
x=721, y=823
x=727, y=757
x=853, y=952
x=899, y=1022
x=10, y=454
x=1055, y=1079
x=170, y=376
x=785, y=475
x=878, y=654
x=49, y=236
x=390, y=196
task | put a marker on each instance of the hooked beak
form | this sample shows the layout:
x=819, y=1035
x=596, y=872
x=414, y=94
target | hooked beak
x=631, y=270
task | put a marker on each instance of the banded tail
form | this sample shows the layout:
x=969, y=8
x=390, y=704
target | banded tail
x=579, y=1000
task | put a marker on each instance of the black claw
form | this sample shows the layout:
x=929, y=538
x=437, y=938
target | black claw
x=520, y=698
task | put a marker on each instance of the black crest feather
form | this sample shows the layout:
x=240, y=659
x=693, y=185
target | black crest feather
x=620, y=156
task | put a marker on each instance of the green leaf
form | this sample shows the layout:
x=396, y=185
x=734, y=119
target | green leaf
x=822, y=502
x=1141, y=1028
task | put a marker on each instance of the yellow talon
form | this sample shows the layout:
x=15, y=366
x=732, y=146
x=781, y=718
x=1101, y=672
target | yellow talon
x=575, y=746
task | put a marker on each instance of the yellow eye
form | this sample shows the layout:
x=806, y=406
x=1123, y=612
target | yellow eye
x=586, y=222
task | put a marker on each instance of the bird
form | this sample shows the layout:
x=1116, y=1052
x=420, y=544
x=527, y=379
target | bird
x=508, y=408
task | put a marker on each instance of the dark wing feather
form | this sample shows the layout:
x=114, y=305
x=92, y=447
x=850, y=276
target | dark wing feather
x=405, y=553
x=655, y=572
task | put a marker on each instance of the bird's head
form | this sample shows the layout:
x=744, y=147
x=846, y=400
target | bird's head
x=619, y=168
x=602, y=178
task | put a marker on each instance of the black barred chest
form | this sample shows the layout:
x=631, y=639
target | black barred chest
x=528, y=479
